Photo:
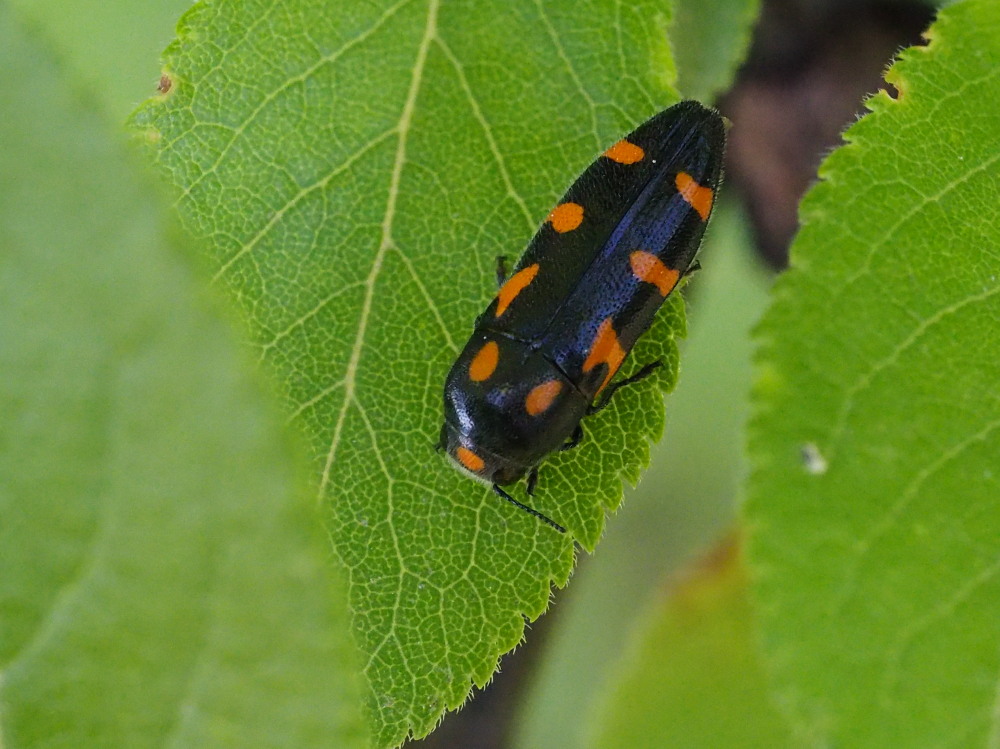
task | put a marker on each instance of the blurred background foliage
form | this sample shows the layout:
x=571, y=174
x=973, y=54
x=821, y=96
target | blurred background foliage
x=810, y=65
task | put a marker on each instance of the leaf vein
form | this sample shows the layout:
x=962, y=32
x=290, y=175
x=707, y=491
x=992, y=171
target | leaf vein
x=304, y=318
x=993, y=739
x=892, y=515
x=477, y=112
x=914, y=209
x=867, y=377
x=942, y=611
x=431, y=304
x=395, y=178
x=298, y=197
x=374, y=440
x=322, y=394
x=561, y=52
x=286, y=84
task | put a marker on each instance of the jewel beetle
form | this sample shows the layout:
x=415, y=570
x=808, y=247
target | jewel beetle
x=543, y=354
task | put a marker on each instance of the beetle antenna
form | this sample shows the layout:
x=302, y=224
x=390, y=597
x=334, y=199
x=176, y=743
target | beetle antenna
x=501, y=493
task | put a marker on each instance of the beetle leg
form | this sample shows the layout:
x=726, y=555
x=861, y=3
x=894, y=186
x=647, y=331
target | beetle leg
x=442, y=439
x=532, y=481
x=504, y=495
x=501, y=270
x=614, y=387
x=693, y=268
x=574, y=439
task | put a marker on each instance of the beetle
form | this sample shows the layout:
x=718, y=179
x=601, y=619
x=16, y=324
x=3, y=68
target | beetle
x=544, y=352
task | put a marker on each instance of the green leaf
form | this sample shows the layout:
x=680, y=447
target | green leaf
x=709, y=39
x=356, y=173
x=877, y=425
x=681, y=506
x=693, y=677
x=163, y=578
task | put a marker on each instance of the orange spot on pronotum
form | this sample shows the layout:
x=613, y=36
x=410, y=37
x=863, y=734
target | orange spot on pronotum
x=649, y=268
x=605, y=350
x=542, y=397
x=698, y=197
x=514, y=286
x=566, y=217
x=625, y=153
x=469, y=459
x=484, y=362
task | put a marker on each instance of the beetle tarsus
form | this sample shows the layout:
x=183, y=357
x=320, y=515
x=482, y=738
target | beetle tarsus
x=614, y=387
x=501, y=270
x=693, y=268
x=574, y=439
x=442, y=442
x=532, y=481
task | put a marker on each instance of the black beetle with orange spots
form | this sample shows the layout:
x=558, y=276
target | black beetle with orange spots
x=585, y=290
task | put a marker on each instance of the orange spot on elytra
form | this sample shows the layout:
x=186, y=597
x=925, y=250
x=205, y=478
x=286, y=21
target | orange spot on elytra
x=605, y=350
x=625, y=153
x=698, y=197
x=514, y=286
x=469, y=459
x=484, y=362
x=542, y=397
x=649, y=268
x=566, y=217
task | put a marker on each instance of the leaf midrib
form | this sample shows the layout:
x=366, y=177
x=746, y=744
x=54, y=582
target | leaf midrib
x=386, y=243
